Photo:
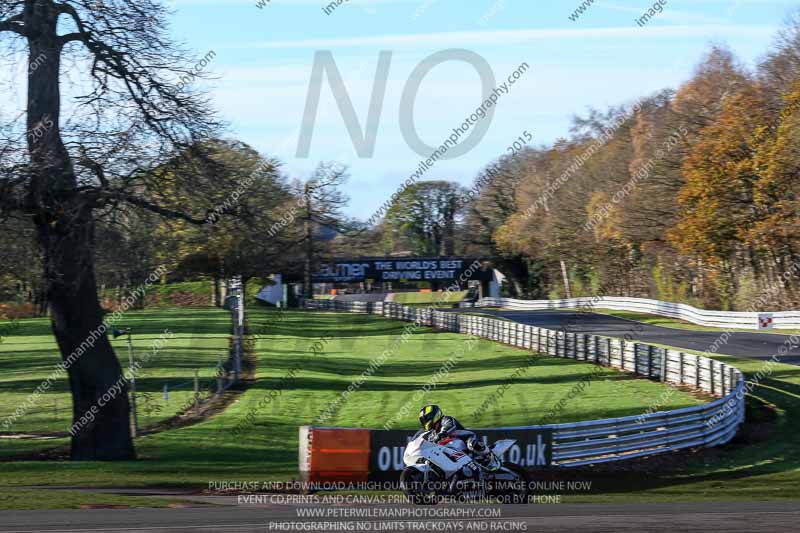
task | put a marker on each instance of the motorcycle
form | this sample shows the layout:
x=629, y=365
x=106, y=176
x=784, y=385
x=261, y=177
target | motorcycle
x=436, y=471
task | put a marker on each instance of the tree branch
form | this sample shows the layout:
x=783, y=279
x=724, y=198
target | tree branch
x=14, y=24
x=90, y=164
x=70, y=37
x=154, y=208
x=81, y=34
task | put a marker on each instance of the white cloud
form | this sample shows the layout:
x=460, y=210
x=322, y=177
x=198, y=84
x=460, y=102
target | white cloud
x=507, y=37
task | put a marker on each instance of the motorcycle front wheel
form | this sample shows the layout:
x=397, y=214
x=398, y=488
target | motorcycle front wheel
x=517, y=491
x=416, y=488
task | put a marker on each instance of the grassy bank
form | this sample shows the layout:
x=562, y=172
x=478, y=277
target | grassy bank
x=762, y=463
x=195, y=339
x=267, y=449
x=429, y=298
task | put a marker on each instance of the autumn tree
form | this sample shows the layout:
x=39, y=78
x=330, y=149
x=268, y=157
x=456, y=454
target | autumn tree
x=491, y=203
x=776, y=194
x=717, y=197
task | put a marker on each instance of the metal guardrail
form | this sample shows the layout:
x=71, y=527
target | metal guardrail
x=719, y=319
x=613, y=439
x=236, y=304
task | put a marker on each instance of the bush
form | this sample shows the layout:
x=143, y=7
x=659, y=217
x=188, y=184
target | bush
x=10, y=311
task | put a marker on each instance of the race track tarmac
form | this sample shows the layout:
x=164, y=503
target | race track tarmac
x=707, y=516
x=740, y=344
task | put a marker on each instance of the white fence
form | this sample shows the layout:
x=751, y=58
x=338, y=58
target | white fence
x=235, y=302
x=719, y=319
x=613, y=439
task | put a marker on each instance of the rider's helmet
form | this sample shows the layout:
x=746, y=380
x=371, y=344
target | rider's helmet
x=430, y=417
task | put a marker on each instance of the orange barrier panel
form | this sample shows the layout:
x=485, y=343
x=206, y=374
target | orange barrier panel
x=338, y=454
x=425, y=290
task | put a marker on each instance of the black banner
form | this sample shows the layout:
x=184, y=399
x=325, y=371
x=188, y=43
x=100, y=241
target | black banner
x=445, y=269
x=533, y=449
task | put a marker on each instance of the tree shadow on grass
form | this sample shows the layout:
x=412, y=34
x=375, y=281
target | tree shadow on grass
x=353, y=366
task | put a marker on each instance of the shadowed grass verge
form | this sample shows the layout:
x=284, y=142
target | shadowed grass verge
x=29, y=356
x=760, y=464
x=24, y=499
x=267, y=449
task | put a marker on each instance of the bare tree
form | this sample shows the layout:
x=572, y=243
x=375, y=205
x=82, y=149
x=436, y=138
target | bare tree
x=323, y=201
x=91, y=153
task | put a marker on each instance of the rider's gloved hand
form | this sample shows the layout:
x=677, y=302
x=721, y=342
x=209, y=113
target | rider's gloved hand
x=477, y=447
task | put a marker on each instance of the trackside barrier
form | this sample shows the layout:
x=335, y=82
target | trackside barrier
x=594, y=441
x=717, y=319
x=235, y=303
x=358, y=455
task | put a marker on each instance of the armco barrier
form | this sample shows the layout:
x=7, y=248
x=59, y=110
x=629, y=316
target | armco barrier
x=594, y=441
x=718, y=319
x=358, y=455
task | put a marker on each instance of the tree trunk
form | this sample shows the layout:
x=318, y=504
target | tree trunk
x=449, y=236
x=216, y=296
x=65, y=231
x=308, y=230
x=40, y=298
x=77, y=325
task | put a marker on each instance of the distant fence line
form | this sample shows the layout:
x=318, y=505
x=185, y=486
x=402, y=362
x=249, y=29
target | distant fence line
x=702, y=317
x=613, y=439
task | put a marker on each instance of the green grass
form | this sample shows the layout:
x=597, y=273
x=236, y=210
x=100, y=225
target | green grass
x=762, y=463
x=666, y=322
x=429, y=298
x=268, y=450
x=195, y=287
x=200, y=338
x=20, y=499
x=757, y=466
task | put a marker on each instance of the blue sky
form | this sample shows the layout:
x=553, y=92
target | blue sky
x=265, y=56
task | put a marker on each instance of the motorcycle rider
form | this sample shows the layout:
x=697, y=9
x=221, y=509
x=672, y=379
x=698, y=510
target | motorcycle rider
x=444, y=427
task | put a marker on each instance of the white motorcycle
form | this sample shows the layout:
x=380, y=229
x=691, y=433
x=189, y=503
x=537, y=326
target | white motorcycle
x=435, y=471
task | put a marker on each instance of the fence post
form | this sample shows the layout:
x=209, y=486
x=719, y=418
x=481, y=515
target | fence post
x=219, y=374
x=711, y=374
x=697, y=371
x=722, y=380
x=196, y=389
